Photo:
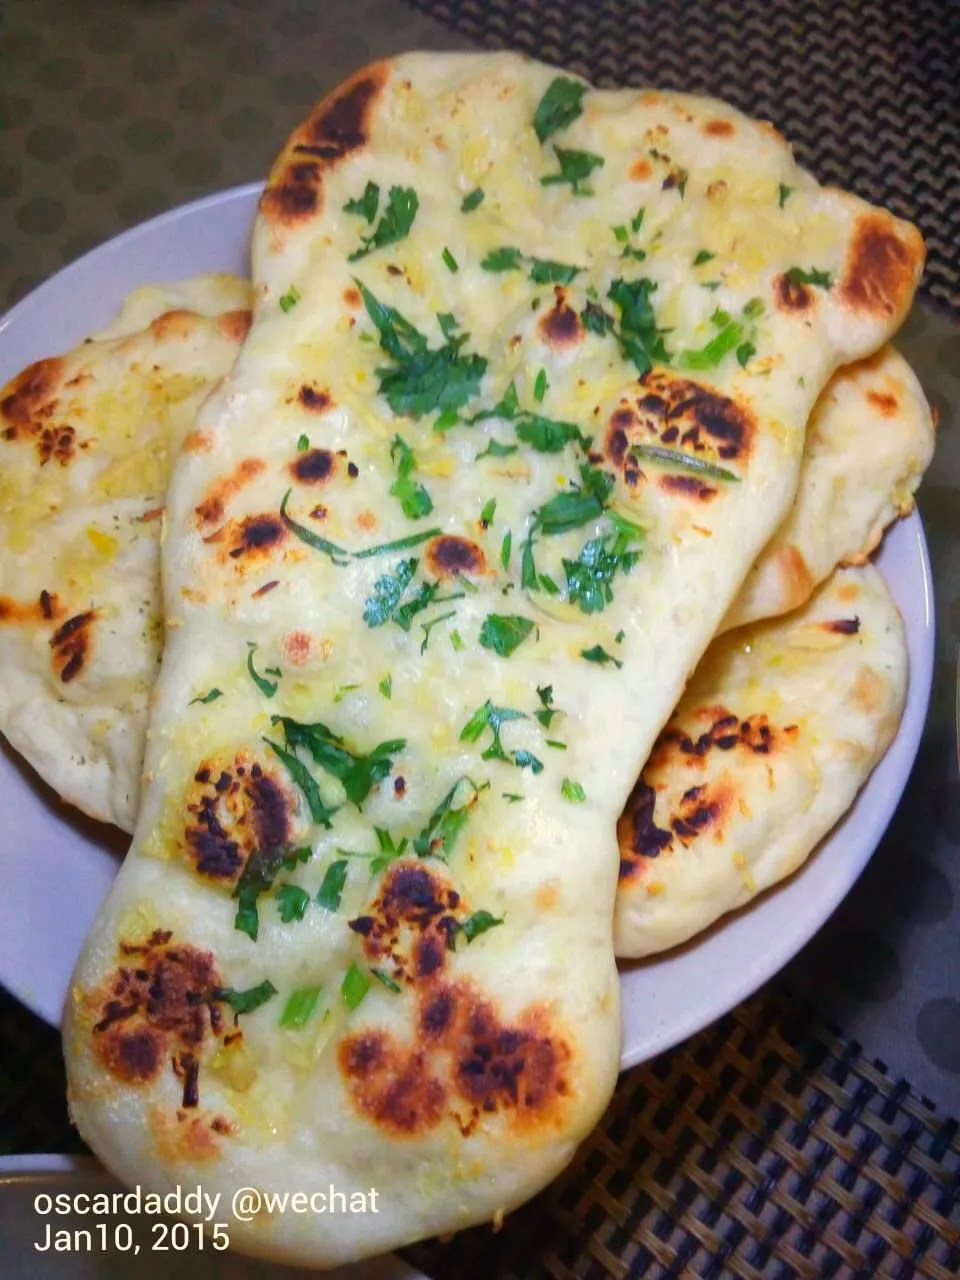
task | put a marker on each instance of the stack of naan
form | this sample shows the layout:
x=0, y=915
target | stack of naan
x=545, y=388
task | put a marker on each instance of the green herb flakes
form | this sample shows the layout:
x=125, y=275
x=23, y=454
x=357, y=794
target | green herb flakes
x=383, y=977
x=559, y=107
x=415, y=502
x=473, y=200
x=292, y=902
x=394, y=224
x=354, y=987
x=438, y=838
x=366, y=206
x=256, y=878
x=572, y=791
x=246, y=1001
x=386, y=687
x=703, y=256
x=784, y=194
x=267, y=687
x=300, y=1007
x=504, y=633
x=820, y=279
x=599, y=655
x=450, y=261
x=575, y=168
x=480, y=922
x=331, y=888
x=303, y=444
x=211, y=696
x=290, y=299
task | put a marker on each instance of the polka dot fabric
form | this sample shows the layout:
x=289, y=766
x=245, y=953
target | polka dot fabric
x=111, y=113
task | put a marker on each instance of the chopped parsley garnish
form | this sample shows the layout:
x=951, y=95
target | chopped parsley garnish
x=246, y=1001
x=300, y=1007
x=599, y=655
x=456, y=640
x=681, y=461
x=547, y=435
x=450, y=261
x=421, y=379
x=354, y=987
x=320, y=812
x=506, y=547
x=572, y=791
x=331, y=888
x=577, y=506
x=785, y=193
x=358, y=773
x=511, y=797
x=474, y=199
x=342, y=692
x=589, y=577
x=557, y=746
x=292, y=902
x=575, y=168
x=540, y=386
x=541, y=270
x=366, y=206
x=596, y=320
x=414, y=499
x=303, y=444
x=267, y=687
x=439, y=836
x=391, y=603
x=637, y=222
x=745, y=352
x=337, y=554
x=256, y=878
x=382, y=976
x=211, y=696
x=395, y=222
x=703, y=256
x=620, y=234
x=755, y=307
x=476, y=924
x=712, y=285
x=559, y=107
x=398, y=544
x=386, y=687
x=504, y=633
x=494, y=718
x=290, y=298
x=618, y=638
x=497, y=450
x=710, y=355
x=488, y=512
x=427, y=627
x=821, y=279
x=390, y=850
x=447, y=322
x=527, y=760
x=631, y=251
x=547, y=710
x=638, y=336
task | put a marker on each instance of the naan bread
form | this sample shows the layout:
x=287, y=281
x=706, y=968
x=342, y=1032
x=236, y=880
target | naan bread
x=336, y=571
x=780, y=727
x=869, y=441
x=87, y=442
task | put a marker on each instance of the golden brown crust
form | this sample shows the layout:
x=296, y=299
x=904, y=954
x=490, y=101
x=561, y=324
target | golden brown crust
x=883, y=264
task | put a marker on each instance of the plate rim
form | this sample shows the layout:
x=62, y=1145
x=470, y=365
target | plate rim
x=774, y=959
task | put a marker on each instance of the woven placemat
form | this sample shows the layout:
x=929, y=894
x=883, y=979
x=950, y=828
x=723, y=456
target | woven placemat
x=793, y=63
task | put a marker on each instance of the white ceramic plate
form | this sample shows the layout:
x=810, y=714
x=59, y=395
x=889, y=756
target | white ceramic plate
x=56, y=870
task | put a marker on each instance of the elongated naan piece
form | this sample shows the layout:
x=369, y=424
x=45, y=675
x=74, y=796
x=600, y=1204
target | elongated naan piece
x=780, y=727
x=869, y=441
x=87, y=442
x=501, y=482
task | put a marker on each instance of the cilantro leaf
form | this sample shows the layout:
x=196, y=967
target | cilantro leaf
x=596, y=320
x=450, y=261
x=386, y=687
x=472, y=200
x=300, y=1007
x=477, y=924
x=784, y=194
x=547, y=710
x=337, y=554
x=506, y=258
x=211, y=696
x=572, y=791
x=390, y=850
x=745, y=353
x=256, y=878
x=540, y=386
x=306, y=783
x=599, y=655
x=527, y=760
x=290, y=299
x=415, y=502
x=488, y=513
x=439, y=836
x=387, y=593
x=292, y=902
x=559, y=107
x=357, y=772
x=577, y=506
x=821, y=279
x=639, y=338
x=703, y=256
x=267, y=687
x=381, y=975
x=427, y=627
x=545, y=434
x=575, y=168
x=354, y=987
x=394, y=224
x=543, y=271
x=331, y=887
x=506, y=547
x=246, y=1001
x=366, y=205
x=497, y=450
x=710, y=355
x=493, y=718
x=590, y=575
x=504, y=633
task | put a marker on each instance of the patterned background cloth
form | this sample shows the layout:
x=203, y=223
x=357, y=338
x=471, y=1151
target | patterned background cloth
x=114, y=111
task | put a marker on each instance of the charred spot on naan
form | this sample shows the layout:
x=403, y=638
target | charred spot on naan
x=465, y=1057
x=235, y=325
x=883, y=262
x=638, y=835
x=46, y=608
x=675, y=413
x=336, y=128
x=842, y=626
x=450, y=555
x=234, y=809
x=158, y=1004
x=212, y=507
x=792, y=295
x=885, y=403
x=314, y=467
x=314, y=399
x=412, y=923
x=249, y=543
x=31, y=412
x=187, y=1137
x=687, y=487
x=561, y=327
x=703, y=810
x=753, y=735
x=71, y=644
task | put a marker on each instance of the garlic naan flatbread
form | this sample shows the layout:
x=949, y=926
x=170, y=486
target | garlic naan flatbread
x=869, y=441
x=87, y=442
x=779, y=729
x=364, y=931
